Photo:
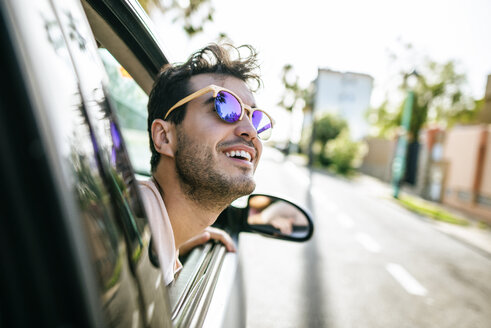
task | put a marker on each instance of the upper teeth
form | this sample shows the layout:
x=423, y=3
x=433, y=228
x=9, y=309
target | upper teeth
x=241, y=153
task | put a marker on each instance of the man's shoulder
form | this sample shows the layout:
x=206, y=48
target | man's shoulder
x=148, y=186
x=146, y=182
x=148, y=189
x=150, y=193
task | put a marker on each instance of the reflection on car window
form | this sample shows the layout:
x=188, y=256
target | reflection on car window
x=131, y=110
x=117, y=174
x=114, y=162
x=106, y=138
x=106, y=242
x=81, y=169
x=121, y=178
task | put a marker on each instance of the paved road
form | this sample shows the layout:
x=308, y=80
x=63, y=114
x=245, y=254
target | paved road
x=370, y=263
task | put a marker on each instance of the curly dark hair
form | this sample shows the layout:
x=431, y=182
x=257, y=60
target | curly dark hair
x=172, y=83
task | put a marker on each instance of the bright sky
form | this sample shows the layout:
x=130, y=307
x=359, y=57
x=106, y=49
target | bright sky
x=347, y=35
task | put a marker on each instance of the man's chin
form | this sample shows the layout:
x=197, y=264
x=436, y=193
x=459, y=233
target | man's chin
x=241, y=184
x=248, y=187
x=250, y=190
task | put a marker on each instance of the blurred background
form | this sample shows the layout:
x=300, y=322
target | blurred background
x=383, y=112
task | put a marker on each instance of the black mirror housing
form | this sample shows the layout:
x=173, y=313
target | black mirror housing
x=278, y=218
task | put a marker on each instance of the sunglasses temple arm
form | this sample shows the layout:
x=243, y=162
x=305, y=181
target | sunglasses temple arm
x=192, y=96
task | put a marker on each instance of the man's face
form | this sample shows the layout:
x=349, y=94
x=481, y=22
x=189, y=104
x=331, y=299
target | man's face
x=205, y=161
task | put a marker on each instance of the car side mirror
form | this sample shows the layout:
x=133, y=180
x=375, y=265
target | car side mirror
x=278, y=218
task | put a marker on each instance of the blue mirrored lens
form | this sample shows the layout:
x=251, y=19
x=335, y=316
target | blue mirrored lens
x=227, y=107
x=262, y=123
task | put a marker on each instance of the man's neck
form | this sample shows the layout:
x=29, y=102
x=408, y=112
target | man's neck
x=188, y=218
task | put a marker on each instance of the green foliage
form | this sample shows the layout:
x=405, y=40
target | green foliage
x=333, y=147
x=328, y=127
x=466, y=116
x=439, y=98
x=344, y=154
x=431, y=210
x=384, y=119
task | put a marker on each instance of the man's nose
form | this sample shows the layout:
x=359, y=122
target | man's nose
x=245, y=129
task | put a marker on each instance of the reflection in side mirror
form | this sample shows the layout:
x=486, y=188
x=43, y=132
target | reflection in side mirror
x=278, y=218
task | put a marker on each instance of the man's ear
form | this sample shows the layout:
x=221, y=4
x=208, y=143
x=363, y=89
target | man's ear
x=164, y=137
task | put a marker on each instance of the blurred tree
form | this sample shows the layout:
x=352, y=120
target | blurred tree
x=294, y=95
x=327, y=127
x=439, y=98
x=193, y=13
x=467, y=116
x=344, y=154
x=383, y=119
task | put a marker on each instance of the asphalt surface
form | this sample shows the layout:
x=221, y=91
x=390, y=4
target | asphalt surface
x=370, y=263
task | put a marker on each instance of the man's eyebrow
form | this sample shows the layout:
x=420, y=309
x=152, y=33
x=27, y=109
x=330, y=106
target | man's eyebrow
x=209, y=100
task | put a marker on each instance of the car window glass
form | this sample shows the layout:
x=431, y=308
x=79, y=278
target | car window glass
x=117, y=171
x=117, y=292
x=109, y=144
x=62, y=115
x=130, y=102
x=122, y=179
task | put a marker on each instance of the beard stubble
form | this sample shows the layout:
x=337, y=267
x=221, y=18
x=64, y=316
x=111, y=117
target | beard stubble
x=201, y=179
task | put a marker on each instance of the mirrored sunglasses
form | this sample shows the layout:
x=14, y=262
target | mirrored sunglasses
x=231, y=109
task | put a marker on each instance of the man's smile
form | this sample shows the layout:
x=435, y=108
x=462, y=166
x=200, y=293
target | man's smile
x=240, y=154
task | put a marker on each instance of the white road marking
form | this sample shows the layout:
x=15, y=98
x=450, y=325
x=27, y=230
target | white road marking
x=157, y=282
x=135, y=322
x=410, y=284
x=150, y=309
x=367, y=242
x=345, y=220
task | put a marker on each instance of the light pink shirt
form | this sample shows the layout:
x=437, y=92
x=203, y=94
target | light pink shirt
x=162, y=234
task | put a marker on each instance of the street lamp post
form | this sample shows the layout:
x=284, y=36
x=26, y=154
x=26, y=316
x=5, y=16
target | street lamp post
x=399, y=163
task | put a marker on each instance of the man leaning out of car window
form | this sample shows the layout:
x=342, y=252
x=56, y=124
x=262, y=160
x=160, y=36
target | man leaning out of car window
x=205, y=149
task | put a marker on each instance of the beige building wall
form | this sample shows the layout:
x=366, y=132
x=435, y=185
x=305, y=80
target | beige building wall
x=461, y=152
x=378, y=160
x=467, y=152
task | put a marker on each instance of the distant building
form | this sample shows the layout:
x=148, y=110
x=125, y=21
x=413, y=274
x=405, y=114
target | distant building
x=346, y=94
